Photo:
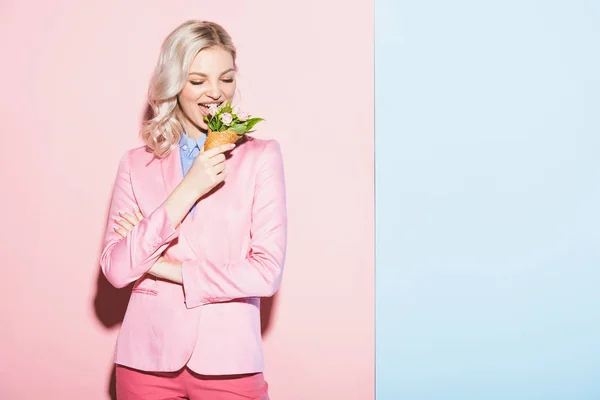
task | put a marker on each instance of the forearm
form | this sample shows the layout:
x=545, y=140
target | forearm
x=252, y=277
x=123, y=260
x=205, y=282
x=167, y=270
x=202, y=177
x=180, y=201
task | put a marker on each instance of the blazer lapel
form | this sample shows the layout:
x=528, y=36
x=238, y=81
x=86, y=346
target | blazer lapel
x=171, y=170
x=172, y=174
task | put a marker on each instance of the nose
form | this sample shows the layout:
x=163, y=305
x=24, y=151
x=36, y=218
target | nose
x=214, y=91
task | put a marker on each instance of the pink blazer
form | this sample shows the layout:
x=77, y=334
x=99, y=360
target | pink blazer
x=232, y=249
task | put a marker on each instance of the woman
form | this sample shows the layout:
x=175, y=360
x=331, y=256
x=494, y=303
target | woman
x=202, y=235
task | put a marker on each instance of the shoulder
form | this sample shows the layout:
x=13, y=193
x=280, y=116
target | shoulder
x=262, y=146
x=265, y=155
x=137, y=156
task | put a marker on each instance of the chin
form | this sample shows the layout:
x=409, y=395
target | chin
x=201, y=125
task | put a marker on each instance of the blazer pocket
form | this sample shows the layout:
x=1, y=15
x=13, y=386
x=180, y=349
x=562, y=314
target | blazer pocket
x=145, y=285
x=140, y=290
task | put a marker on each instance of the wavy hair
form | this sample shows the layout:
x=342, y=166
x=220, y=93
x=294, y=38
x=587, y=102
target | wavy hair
x=163, y=130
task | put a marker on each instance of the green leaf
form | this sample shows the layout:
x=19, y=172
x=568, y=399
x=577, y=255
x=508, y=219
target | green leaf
x=238, y=128
x=252, y=121
x=227, y=108
x=210, y=122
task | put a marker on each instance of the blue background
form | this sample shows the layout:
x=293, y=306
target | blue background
x=487, y=196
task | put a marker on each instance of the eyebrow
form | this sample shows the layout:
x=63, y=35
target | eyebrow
x=222, y=73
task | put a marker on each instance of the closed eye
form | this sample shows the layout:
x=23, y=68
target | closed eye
x=196, y=83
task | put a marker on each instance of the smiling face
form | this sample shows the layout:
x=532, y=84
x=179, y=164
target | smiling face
x=211, y=79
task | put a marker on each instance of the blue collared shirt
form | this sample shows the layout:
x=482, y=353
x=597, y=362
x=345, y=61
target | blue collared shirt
x=189, y=150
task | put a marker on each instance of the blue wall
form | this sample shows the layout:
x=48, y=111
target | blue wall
x=487, y=199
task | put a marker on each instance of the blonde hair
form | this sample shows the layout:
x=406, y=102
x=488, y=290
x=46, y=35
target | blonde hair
x=162, y=132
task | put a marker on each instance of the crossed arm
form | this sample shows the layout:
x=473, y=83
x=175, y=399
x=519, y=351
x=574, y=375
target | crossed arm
x=135, y=246
x=161, y=268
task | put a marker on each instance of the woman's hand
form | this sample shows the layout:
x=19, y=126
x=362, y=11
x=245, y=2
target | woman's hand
x=208, y=170
x=127, y=222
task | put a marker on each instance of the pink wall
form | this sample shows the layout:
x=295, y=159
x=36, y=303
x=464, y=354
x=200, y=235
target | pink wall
x=74, y=80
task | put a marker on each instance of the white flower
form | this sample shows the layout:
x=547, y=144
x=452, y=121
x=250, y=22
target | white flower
x=213, y=109
x=226, y=118
x=243, y=116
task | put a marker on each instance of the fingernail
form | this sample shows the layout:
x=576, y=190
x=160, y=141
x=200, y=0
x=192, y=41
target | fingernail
x=232, y=145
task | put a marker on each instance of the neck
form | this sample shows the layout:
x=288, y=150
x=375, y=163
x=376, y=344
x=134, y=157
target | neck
x=192, y=130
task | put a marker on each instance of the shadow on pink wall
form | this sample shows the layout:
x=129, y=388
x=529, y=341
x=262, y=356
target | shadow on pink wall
x=110, y=305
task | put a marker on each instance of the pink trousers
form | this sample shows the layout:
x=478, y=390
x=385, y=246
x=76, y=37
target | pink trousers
x=186, y=384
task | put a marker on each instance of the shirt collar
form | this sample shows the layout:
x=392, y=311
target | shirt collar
x=187, y=144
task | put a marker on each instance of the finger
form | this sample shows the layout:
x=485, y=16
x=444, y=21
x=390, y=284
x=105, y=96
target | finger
x=129, y=218
x=139, y=215
x=218, y=159
x=218, y=168
x=125, y=224
x=121, y=232
x=218, y=150
x=220, y=177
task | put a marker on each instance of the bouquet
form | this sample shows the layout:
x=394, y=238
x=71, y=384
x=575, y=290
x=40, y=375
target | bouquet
x=227, y=124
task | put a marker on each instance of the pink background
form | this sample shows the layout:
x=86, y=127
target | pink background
x=74, y=79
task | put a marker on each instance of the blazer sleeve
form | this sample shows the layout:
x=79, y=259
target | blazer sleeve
x=259, y=275
x=124, y=260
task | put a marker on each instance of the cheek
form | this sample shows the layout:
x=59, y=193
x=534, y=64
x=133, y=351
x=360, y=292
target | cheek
x=230, y=91
x=188, y=98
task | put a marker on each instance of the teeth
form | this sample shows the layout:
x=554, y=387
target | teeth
x=209, y=104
